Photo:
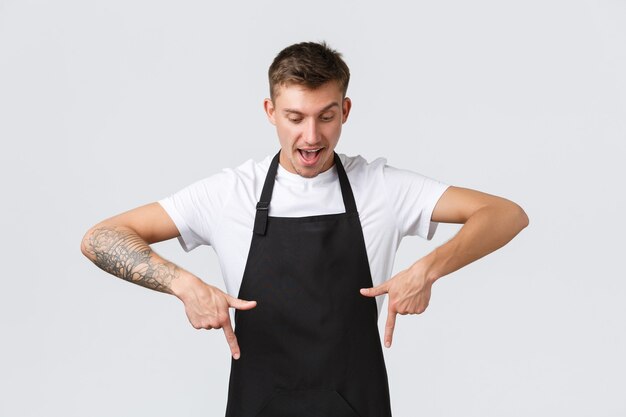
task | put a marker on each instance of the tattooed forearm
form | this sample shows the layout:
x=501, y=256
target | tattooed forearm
x=124, y=254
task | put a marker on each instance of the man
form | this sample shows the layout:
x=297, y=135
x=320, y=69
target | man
x=306, y=242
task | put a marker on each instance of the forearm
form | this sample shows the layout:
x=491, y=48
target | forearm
x=485, y=231
x=120, y=251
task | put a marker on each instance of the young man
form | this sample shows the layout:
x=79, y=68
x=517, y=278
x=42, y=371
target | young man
x=306, y=241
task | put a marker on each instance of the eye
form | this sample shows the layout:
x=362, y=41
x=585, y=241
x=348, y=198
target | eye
x=327, y=117
x=294, y=120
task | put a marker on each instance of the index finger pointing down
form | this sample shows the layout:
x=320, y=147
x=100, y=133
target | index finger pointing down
x=389, y=327
x=231, y=339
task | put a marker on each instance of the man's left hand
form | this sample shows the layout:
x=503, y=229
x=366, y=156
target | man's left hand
x=409, y=293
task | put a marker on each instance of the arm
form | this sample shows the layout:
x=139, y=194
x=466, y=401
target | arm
x=120, y=246
x=489, y=222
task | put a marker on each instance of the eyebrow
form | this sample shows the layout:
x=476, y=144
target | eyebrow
x=325, y=109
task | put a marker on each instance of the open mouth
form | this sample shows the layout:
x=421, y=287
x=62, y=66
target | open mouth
x=310, y=156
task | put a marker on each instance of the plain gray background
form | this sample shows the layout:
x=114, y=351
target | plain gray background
x=105, y=106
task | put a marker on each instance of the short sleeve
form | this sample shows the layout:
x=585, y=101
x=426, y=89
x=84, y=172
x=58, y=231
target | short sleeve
x=197, y=208
x=413, y=197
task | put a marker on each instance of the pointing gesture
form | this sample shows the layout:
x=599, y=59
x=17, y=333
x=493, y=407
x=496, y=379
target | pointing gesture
x=207, y=307
x=409, y=293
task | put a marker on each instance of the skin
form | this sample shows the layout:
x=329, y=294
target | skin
x=304, y=118
x=489, y=222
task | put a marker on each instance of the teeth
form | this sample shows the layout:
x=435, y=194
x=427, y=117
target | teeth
x=303, y=150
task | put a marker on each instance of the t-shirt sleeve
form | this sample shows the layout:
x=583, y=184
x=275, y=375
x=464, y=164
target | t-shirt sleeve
x=413, y=197
x=196, y=209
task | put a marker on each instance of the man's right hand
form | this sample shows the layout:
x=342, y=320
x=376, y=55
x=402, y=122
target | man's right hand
x=120, y=246
x=207, y=307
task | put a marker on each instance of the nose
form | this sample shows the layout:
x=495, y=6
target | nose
x=311, y=132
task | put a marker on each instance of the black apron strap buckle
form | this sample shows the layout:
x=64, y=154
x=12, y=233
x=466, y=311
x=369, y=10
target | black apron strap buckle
x=260, y=220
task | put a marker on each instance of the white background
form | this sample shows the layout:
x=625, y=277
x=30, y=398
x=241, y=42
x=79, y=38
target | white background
x=108, y=105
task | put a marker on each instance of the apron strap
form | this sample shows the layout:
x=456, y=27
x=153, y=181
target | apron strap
x=263, y=206
x=346, y=190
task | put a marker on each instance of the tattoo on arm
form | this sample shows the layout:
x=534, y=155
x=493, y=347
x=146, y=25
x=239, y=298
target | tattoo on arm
x=124, y=254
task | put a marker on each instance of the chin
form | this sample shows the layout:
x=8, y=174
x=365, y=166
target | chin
x=307, y=172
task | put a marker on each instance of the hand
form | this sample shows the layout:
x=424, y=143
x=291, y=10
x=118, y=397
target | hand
x=207, y=308
x=409, y=293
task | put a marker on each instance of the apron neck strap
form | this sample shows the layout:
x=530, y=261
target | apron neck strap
x=346, y=190
x=262, y=207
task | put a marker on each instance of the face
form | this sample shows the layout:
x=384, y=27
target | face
x=308, y=123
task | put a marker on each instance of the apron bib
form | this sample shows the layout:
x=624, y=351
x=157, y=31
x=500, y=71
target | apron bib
x=311, y=347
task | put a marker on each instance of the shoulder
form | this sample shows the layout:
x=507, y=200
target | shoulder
x=251, y=168
x=377, y=169
x=215, y=190
x=245, y=173
x=358, y=166
x=394, y=181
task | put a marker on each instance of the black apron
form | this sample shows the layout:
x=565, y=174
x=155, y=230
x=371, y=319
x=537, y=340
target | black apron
x=311, y=347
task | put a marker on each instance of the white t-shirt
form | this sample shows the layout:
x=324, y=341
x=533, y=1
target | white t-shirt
x=219, y=210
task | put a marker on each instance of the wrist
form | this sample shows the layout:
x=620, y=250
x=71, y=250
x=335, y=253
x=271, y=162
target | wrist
x=427, y=267
x=184, y=286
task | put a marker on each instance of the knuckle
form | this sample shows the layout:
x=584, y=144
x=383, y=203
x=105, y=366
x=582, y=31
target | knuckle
x=223, y=317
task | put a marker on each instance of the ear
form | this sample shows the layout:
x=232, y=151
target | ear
x=270, y=110
x=346, y=106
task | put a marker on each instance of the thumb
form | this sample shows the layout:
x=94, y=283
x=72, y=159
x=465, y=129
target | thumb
x=240, y=304
x=374, y=291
